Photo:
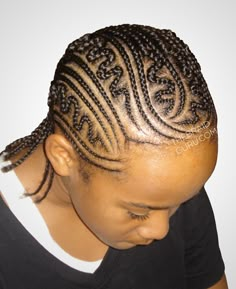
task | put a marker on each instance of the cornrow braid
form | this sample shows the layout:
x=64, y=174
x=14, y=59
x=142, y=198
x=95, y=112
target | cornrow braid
x=93, y=78
x=30, y=142
x=187, y=64
x=152, y=75
x=47, y=177
x=140, y=69
x=120, y=84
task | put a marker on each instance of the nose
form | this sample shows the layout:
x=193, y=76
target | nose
x=156, y=227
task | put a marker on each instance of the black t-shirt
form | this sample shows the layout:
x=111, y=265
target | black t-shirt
x=188, y=257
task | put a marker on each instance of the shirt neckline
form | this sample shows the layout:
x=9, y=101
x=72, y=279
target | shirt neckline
x=97, y=278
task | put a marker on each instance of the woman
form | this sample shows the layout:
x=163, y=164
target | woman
x=108, y=191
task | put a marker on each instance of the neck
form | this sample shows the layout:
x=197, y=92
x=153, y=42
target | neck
x=65, y=226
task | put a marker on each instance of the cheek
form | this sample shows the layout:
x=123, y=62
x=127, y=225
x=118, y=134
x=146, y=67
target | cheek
x=101, y=218
x=99, y=212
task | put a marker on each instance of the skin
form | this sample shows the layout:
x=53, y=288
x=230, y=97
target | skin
x=118, y=210
x=104, y=204
x=103, y=209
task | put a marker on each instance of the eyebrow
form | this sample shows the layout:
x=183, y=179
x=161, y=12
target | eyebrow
x=144, y=206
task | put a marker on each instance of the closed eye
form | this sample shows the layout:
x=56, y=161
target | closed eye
x=138, y=217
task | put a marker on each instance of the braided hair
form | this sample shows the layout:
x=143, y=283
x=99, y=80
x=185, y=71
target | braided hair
x=121, y=84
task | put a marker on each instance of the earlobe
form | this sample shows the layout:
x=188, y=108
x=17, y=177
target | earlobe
x=60, y=154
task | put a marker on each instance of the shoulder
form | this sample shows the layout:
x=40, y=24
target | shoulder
x=203, y=260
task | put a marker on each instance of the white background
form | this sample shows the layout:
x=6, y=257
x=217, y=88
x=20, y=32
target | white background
x=34, y=35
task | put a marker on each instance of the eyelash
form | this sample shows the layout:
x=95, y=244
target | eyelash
x=138, y=217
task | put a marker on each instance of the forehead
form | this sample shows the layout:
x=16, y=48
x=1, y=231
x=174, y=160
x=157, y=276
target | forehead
x=160, y=174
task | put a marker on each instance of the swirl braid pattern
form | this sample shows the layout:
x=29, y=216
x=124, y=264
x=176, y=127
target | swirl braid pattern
x=120, y=84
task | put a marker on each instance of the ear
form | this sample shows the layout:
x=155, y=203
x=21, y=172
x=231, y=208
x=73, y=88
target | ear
x=61, y=154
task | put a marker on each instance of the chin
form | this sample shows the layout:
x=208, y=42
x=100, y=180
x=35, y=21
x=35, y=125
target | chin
x=122, y=245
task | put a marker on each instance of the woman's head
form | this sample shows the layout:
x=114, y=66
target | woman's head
x=128, y=83
x=130, y=133
x=133, y=207
x=123, y=87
